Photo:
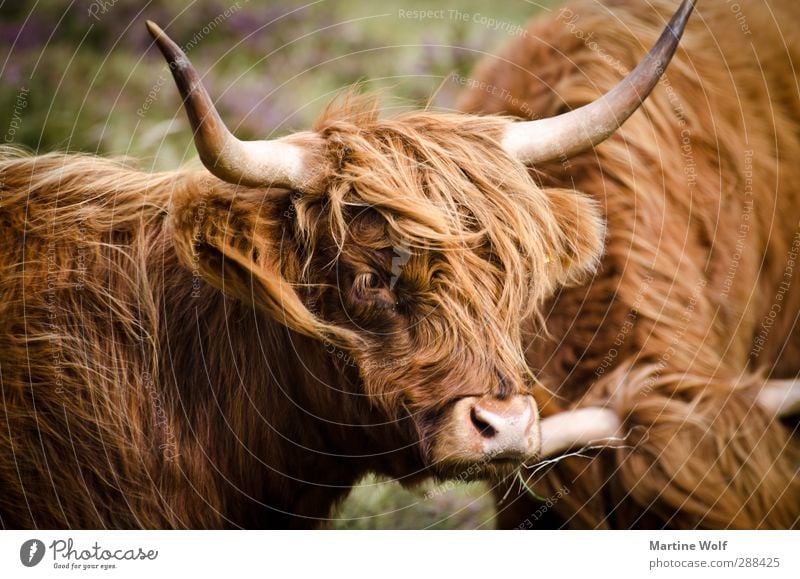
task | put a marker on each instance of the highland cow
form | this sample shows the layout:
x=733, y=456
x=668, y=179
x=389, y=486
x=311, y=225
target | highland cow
x=238, y=346
x=687, y=334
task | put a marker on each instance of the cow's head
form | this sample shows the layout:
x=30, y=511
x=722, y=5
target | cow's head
x=415, y=244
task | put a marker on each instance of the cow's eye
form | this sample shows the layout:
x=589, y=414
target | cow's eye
x=370, y=294
x=368, y=281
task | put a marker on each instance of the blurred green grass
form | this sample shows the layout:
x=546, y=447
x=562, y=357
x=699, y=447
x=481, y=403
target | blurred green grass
x=272, y=66
x=381, y=504
x=91, y=81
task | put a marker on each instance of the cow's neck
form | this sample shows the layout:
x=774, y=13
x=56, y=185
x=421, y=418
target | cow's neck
x=264, y=417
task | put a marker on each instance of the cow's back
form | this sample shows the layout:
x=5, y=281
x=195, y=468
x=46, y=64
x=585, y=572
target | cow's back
x=76, y=343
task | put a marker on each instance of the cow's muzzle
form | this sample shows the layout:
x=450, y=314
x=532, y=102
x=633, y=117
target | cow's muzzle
x=491, y=428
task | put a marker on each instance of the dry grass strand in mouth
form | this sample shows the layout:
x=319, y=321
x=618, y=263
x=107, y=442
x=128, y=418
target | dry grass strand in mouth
x=538, y=466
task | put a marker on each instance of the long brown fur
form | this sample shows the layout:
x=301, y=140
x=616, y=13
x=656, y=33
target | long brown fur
x=179, y=352
x=675, y=332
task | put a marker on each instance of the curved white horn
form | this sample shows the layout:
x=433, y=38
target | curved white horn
x=781, y=397
x=577, y=428
x=275, y=163
x=598, y=426
x=568, y=134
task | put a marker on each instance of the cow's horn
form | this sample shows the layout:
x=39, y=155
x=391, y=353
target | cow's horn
x=596, y=426
x=570, y=133
x=578, y=428
x=780, y=397
x=255, y=163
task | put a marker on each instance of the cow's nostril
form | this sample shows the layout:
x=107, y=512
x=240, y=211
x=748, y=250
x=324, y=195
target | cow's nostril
x=486, y=430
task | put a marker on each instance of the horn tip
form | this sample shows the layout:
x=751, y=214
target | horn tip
x=154, y=29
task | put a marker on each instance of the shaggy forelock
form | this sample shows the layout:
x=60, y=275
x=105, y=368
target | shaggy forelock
x=444, y=188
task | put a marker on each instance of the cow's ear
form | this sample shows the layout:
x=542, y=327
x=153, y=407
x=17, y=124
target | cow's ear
x=235, y=239
x=580, y=236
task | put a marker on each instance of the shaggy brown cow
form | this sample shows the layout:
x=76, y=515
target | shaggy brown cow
x=695, y=302
x=237, y=347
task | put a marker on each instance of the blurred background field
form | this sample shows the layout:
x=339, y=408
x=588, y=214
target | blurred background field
x=84, y=76
x=383, y=504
